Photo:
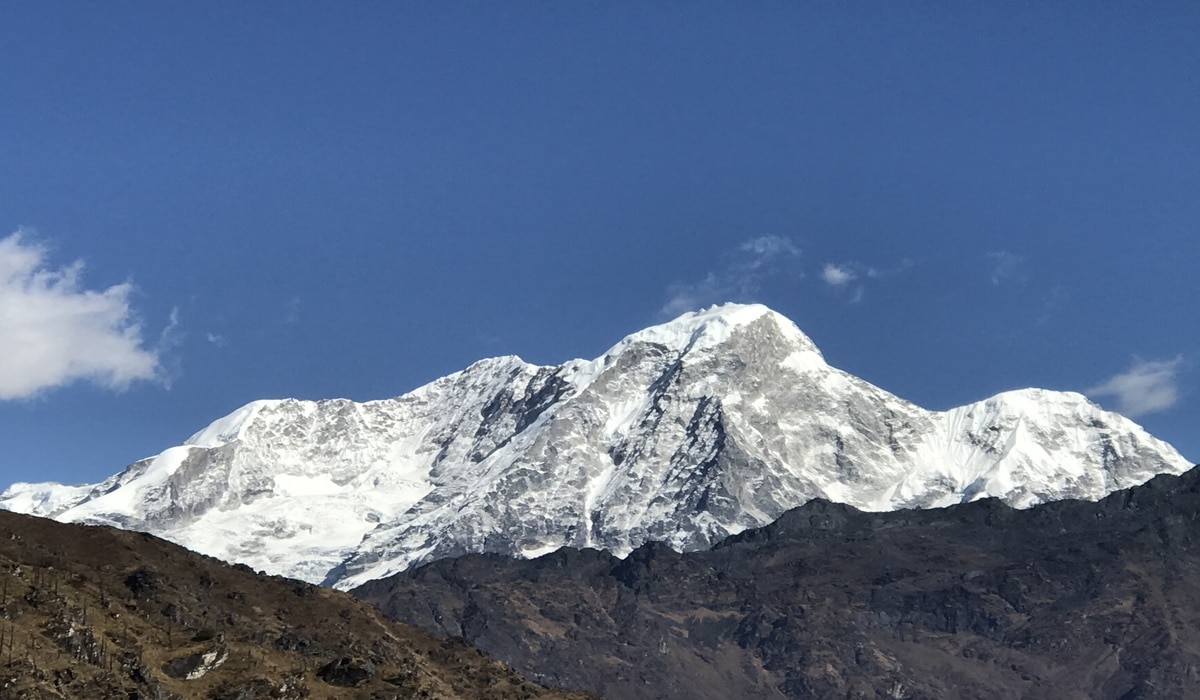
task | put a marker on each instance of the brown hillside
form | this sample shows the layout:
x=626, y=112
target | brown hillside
x=92, y=612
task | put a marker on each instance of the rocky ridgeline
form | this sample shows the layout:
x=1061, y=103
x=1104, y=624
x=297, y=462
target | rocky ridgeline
x=1072, y=599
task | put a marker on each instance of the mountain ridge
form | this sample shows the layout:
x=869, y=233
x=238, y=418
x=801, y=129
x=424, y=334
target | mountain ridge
x=1070, y=599
x=684, y=432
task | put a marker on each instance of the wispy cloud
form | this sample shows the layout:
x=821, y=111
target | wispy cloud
x=53, y=331
x=1005, y=265
x=901, y=266
x=851, y=278
x=1147, y=387
x=1052, y=302
x=837, y=275
x=753, y=261
x=766, y=248
x=216, y=339
x=689, y=296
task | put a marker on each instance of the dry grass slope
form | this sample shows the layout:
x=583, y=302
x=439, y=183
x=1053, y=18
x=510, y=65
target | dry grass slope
x=90, y=612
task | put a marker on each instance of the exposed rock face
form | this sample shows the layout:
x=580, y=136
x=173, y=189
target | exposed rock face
x=193, y=666
x=1069, y=599
x=683, y=433
x=347, y=672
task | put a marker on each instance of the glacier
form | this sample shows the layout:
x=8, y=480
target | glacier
x=685, y=433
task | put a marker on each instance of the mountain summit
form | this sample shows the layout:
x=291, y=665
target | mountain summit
x=685, y=432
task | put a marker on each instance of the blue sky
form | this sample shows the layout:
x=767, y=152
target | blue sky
x=205, y=205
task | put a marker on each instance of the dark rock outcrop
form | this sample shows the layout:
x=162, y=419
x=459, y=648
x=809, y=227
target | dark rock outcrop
x=1071, y=599
x=196, y=665
x=347, y=672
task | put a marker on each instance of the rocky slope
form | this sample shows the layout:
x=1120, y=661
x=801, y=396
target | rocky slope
x=93, y=612
x=683, y=433
x=1067, y=600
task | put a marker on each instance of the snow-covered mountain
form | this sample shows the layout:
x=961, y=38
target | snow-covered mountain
x=685, y=432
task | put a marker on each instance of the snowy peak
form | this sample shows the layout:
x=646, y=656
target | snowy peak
x=1003, y=443
x=712, y=327
x=683, y=433
x=229, y=428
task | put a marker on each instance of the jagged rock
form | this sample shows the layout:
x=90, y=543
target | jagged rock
x=143, y=582
x=347, y=672
x=196, y=665
x=290, y=641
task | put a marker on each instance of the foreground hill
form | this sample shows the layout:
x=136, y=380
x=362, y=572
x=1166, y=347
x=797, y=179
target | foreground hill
x=1064, y=600
x=683, y=433
x=95, y=613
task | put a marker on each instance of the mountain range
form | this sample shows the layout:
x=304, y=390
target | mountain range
x=683, y=433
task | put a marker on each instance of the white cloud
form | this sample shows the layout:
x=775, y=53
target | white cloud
x=841, y=276
x=53, y=331
x=754, y=261
x=216, y=339
x=837, y=275
x=1148, y=387
x=765, y=248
